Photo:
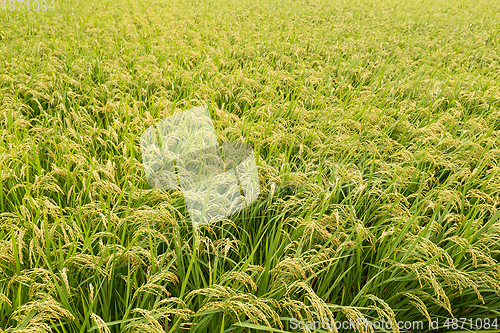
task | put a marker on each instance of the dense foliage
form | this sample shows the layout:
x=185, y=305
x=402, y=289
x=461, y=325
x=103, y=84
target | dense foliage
x=376, y=126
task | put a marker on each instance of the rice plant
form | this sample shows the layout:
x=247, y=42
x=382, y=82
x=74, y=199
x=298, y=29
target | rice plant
x=376, y=133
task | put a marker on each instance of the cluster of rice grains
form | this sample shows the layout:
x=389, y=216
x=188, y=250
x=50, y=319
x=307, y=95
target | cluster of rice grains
x=375, y=130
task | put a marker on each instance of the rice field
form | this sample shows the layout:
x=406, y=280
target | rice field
x=376, y=130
